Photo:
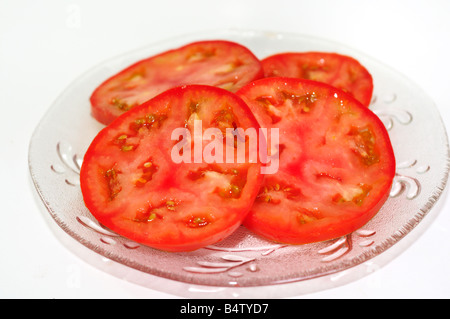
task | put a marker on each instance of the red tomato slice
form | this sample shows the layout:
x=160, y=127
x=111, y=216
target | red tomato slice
x=336, y=162
x=340, y=71
x=218, y=63
x=132, y=185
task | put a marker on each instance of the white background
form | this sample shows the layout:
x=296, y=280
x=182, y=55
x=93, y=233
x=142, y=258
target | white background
x=46, y=44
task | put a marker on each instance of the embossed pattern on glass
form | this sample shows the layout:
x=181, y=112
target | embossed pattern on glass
x=244, y=259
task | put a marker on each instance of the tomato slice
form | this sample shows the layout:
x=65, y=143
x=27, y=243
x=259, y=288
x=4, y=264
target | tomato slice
x=132, y=183
x=336, y=162
x=218, y=63
x=340, y=71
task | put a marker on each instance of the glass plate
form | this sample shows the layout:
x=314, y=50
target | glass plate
x=245, y=260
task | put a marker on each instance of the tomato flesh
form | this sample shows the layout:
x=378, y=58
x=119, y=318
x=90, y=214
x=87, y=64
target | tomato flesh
x=218, y=63
x=132, y=185
x=340, y=71
x=336, y=162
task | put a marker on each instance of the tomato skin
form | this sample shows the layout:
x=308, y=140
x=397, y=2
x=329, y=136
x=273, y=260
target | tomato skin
x=218, y=63
x=336, y=165
x=131, y=185
x=340, y=71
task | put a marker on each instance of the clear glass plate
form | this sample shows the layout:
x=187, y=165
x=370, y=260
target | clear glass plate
x=245, y=260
